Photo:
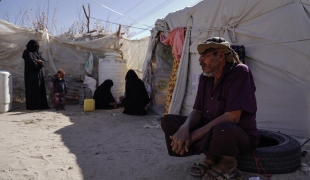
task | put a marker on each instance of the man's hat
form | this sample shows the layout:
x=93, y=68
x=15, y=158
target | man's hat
x=218, y=44
x=212, y=44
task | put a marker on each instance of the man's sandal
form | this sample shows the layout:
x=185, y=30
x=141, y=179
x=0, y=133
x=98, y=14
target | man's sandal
x=218, y=174
x=198, y=170
x=236, y=174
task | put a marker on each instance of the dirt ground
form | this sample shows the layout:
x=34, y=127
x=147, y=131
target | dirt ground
x=99, y=145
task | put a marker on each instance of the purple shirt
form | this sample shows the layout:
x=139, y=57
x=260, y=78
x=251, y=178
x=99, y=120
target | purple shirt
x=234, y=90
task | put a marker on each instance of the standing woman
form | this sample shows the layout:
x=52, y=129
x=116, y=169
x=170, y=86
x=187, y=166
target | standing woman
x=136, y=96
x=34, y=80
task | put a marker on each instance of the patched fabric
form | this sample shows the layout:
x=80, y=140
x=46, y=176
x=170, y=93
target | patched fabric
x=173, y=79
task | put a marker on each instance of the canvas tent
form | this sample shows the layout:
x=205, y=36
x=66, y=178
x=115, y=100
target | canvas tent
x=66, y=52
x=277, y=43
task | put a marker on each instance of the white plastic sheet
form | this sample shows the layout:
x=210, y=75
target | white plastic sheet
x=134, y=51
x=59, y=52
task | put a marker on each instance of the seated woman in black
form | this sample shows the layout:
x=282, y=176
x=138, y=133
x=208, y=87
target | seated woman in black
x=136, y=96
x=103, y=96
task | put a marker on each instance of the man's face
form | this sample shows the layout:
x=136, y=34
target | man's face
x=209, y=64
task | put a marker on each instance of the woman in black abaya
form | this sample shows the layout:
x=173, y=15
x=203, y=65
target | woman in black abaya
x=34, y=81
x=136, y=97
x=103, y=96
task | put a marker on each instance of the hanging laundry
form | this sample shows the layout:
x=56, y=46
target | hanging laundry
x=175, y=39
x=89, y=66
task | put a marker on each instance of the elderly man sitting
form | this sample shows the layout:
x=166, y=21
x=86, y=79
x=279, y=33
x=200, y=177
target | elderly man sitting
x=222, y=124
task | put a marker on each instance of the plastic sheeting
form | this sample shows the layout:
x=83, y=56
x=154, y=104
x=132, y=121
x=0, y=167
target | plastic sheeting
x=91, y=83
x=277, y=44
x=89, y=66
x=147, y=63
x=160, y=77
x=114, y=68
x=59, y=52
x=134, y=51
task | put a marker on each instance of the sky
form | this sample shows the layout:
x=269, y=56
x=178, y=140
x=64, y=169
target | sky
x=146, y=12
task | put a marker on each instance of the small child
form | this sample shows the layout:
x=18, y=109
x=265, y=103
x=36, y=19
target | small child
x=60, y=89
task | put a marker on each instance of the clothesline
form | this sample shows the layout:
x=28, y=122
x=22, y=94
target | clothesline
x=120, y=13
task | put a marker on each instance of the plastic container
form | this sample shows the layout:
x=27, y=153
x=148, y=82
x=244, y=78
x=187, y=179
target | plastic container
x=89, y=105
x=114, y=54
x=6, y=93
x=254, y=178
x=114, y=68
x=84, y=93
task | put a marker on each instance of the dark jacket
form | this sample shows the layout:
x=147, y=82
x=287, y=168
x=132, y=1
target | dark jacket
x=136, y=95
x=60, y=86
x=103, y=96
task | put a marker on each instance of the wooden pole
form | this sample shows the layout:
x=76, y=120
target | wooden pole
x=87, y=16
x=119, y=30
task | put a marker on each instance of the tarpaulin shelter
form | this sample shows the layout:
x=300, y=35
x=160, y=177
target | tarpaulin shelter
x=276, y=38
x=67, y=52
x=134, y=51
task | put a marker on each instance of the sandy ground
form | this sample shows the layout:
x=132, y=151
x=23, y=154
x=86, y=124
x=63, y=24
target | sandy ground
x=100, y=145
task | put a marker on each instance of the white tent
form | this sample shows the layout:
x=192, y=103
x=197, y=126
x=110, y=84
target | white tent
x=277, y=44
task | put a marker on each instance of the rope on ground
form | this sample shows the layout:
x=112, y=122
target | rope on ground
x=305, y=142
x=258, y=163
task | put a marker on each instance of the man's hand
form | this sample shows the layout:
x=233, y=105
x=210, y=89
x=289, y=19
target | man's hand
x=232, y=116
x=181, y=140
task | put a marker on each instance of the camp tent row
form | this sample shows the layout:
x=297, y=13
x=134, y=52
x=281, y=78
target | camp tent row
x=277, y=44
x=68, y=52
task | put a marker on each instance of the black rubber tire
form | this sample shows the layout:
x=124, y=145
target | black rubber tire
x=285, y=157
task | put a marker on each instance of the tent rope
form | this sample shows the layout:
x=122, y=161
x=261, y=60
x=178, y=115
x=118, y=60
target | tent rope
x=271, y=43
x=235, y=23
x=279, y=69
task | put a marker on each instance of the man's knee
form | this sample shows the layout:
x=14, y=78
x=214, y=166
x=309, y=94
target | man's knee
x=225, y=129
x=171, y=123
x=165, y=122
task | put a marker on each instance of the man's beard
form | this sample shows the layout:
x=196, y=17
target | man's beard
x=210, y=74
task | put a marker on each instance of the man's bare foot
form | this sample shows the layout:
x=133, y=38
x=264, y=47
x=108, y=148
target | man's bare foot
x=222, y=169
